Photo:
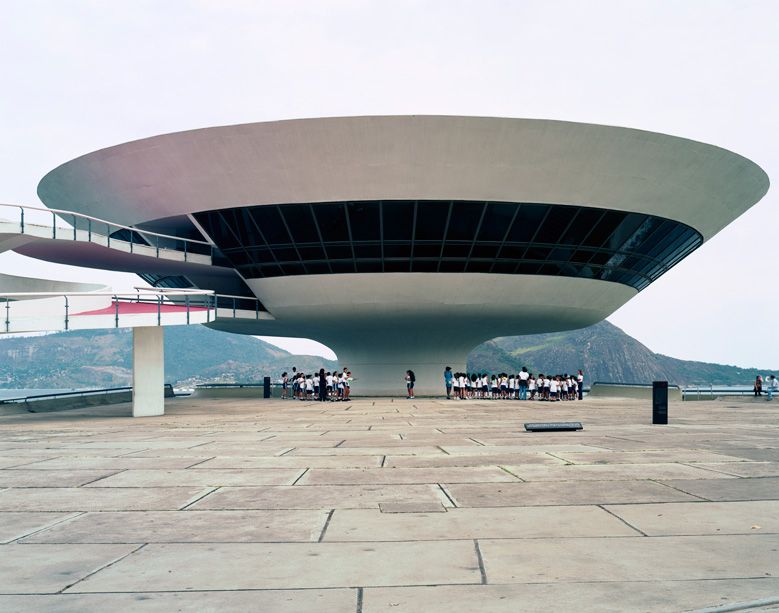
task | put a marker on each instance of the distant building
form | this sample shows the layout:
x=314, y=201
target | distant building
x=403, y=242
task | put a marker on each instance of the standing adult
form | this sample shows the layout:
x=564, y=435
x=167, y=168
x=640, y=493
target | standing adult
x=524, y=375
x=758, y=387
x=580, y=384
x=322, y=385
x=410, y=380
x=448, y=377
x=772, y=384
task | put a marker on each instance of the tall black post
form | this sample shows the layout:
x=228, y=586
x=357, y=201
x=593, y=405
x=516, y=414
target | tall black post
x=660, y=402
x=266, y=387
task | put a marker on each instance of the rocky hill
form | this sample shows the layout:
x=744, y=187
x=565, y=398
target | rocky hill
x=196, y=354
x=605, y=353
x=103, y=358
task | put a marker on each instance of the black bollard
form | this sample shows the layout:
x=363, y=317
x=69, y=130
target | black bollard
x=660, y=402
x=266, y=387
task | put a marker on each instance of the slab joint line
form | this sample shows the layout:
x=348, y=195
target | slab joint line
x=327, y=523
x=624, y=521
x=51, y=525
x=359, y=599
x=104, y=477
x=506, y=470
x=557, y=457
x=103, y=567
x=199, y=498
x=679, y=490
x=200, y=462
x=448, y=497
x=482, y=571
x=300, y=476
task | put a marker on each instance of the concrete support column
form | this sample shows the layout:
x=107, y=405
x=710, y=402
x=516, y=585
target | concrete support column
x=148, y=371
x=379, y=363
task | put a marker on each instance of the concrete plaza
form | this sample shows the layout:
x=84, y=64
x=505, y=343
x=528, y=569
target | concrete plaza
x=390, y=505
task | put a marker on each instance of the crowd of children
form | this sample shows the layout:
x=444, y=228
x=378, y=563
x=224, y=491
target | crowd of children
x=333, y=386
x=521, y=386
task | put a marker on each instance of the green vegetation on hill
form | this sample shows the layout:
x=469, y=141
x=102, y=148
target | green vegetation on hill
x=103, y=358
x=604, y=353
x=195, y=354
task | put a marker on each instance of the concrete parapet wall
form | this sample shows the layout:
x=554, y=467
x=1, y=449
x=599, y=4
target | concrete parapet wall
x=229, y=392
x=69, y=403
x=616, y=390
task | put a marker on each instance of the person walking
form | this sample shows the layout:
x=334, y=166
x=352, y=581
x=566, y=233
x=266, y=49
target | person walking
x=580, y=384
x=772, y=383
x=758, y=388
x=410, y=380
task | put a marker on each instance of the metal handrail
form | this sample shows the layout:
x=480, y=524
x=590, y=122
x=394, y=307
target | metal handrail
x=139, y=296
x=193, y=298
x=63, y=214
x=710, y=391
x=137, y=292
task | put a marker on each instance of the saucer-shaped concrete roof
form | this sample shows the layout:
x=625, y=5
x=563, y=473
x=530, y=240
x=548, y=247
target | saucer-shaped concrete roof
x=410, y=157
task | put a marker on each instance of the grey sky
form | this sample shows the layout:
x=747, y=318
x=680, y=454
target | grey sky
x=79, y=76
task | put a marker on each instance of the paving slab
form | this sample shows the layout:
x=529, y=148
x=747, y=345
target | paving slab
x=272, y=601
x=412, y=507
x=752, y=517
x=503, y=523
x=754, y=454
x=188, y=527
x=50, y=478
x=114, y=464
x=290, y=461
x=620, y=461
x=611, y=472
x=531, y=446
x=494, y=459
x=630, y=559
x=363, y=451
x=754, y=488
x=563, y=493
x=288, y=566
x=646, y=457
x=97, y=499
x=205, y=453
x=17, y=525
x=36, y=453
x=611, y=597
x=391, y=441
x=40, y=569
x=317, y=496
x=26, y=461
x=169, y=478
x=744, y=469
x=334, y=476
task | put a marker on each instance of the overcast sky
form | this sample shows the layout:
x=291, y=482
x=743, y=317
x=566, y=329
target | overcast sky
x=78, y=76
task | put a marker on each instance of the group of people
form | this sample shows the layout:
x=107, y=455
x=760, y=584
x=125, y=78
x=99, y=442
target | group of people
x=771, y=385
x=321, y=386
x=521, y=386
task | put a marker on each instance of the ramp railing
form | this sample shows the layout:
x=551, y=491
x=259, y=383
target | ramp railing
x=90, y=229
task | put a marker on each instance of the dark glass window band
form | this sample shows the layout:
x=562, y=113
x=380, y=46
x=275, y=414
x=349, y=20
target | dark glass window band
x=449, y=236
